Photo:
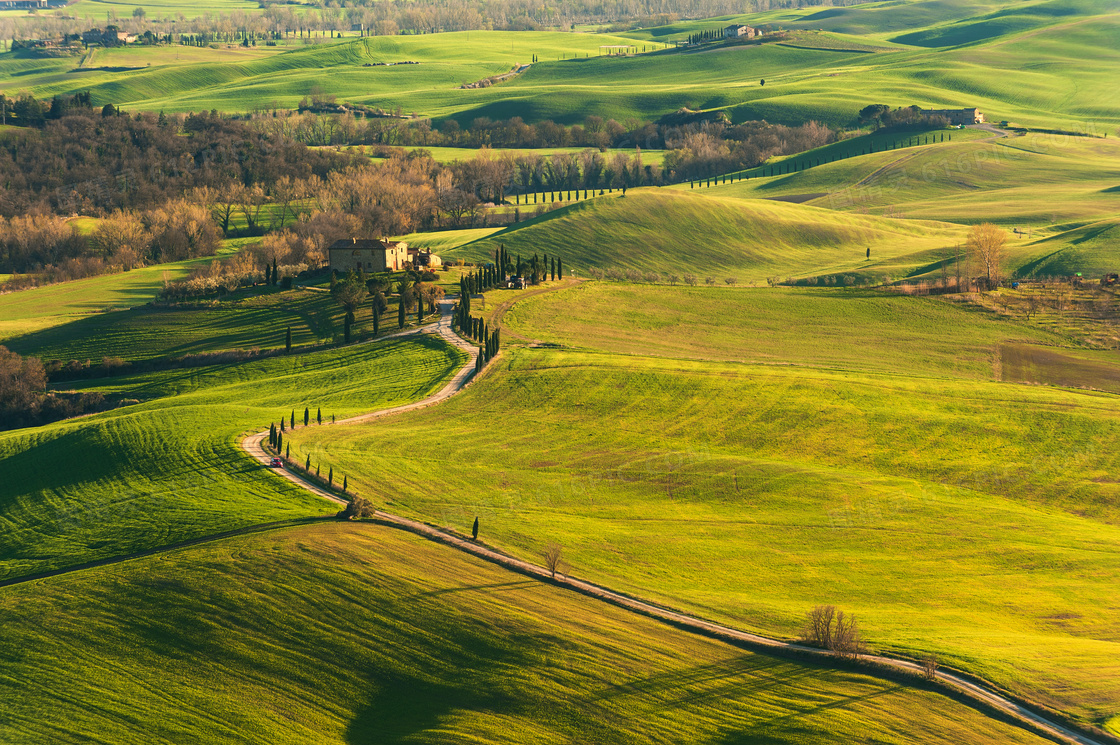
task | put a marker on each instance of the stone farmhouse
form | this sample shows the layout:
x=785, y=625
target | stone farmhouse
x=371, y=255
x=739, y=32
x=957, y=116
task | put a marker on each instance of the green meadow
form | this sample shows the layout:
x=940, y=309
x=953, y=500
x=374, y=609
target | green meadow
x=28, y=311
x=169, y=467
x=1045, y=181
x=655, y=229
x=350, y=633
x=862, y=453
x=1014, y=62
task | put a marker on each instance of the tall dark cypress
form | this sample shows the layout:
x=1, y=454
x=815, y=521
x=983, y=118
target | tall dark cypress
x=319, y=416
x=288, y=340
x=306, y=416
x=560, y=267
x=272, y=435
x=275, y=279
x=293, y=418
x=279, y=441
x=307, y=466
x=419, y=311
x=400, y=312
x=376, y=318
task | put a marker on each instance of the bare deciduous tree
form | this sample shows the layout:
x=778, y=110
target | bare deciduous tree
x=833, y=630
x=929, y=667
x=986, y=248
x=554, y=558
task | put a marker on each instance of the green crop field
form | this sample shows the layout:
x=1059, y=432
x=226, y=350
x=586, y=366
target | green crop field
x=27, y=311
x=1039, y=180
x=450, y=154
x=344, y=633
x=169, y=468
x=856, y=459
x=652, y=229
x=1017, y=62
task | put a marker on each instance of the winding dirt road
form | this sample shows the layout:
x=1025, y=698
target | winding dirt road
x=976, y=692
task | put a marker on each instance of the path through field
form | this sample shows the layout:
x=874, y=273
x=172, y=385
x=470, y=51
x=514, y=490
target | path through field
x=975, y=691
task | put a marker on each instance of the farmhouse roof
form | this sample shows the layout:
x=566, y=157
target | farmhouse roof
x=364, y=244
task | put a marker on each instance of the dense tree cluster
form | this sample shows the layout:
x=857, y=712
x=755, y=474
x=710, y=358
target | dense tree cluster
x=902, y=119
x=93, y=162
x=24, y=400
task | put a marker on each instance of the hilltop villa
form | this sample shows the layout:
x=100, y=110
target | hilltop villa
x=735, y=31
x=370, y=255
x=957, y=116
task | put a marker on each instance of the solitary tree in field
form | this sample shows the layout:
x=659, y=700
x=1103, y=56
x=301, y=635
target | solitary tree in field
x=306, y=416
x=345, y=481
x=474, y=530
x=319, y=416
x=986, y=248
x=330, y=476
x=554, y=558
x=307, y=465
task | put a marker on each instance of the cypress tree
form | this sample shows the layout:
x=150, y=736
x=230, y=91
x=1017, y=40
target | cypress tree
x=281, y=424
x=474, y=530
x=316, y=469
x=330, y=476
x=319, y=415
x=275, y=271
x=419, y=311
x=288, y=452
x=560, y=267
x=288, y=340
x=279, y=441
x=272, y=435
x=267, y=274
x=306, y=416
x=400, y=312
x=344, y=483
x=307, y=466
x=346, y=329
x=293, y=418
x=376, y=318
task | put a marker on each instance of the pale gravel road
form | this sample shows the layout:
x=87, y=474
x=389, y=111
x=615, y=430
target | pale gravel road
x=988, y=697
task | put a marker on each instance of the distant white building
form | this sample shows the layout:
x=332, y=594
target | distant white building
x=739, y=32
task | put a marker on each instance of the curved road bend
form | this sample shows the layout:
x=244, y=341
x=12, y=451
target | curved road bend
x=253, y=445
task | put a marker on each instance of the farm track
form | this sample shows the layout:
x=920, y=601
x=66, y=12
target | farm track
x=974, y=692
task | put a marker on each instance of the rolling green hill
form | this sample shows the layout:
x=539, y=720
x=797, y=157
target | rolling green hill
x=170, y=468
x=1019, y=62
x=349, y=633
x=670, y=230
x=864, y=459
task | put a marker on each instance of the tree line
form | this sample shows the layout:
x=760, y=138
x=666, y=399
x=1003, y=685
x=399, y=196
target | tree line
x=328, y=19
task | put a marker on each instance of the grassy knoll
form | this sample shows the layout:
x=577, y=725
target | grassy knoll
x=256, y=320
x=170, y=468
x=653, y=229
x=27, y=311
x=1039, y=180
x=347, y=633
x=813, y=327
x=972, y=519
x=1010, y=69
x=450, y=154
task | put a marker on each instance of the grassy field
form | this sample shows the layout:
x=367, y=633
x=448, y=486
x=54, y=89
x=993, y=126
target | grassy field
x=1017, y=62
x=450, y=154
x=349, y=633
x=28, y=311
x=954, y=514
x=773, y=326
x=169, y=468
x=653, y=229
x=1048, y=182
